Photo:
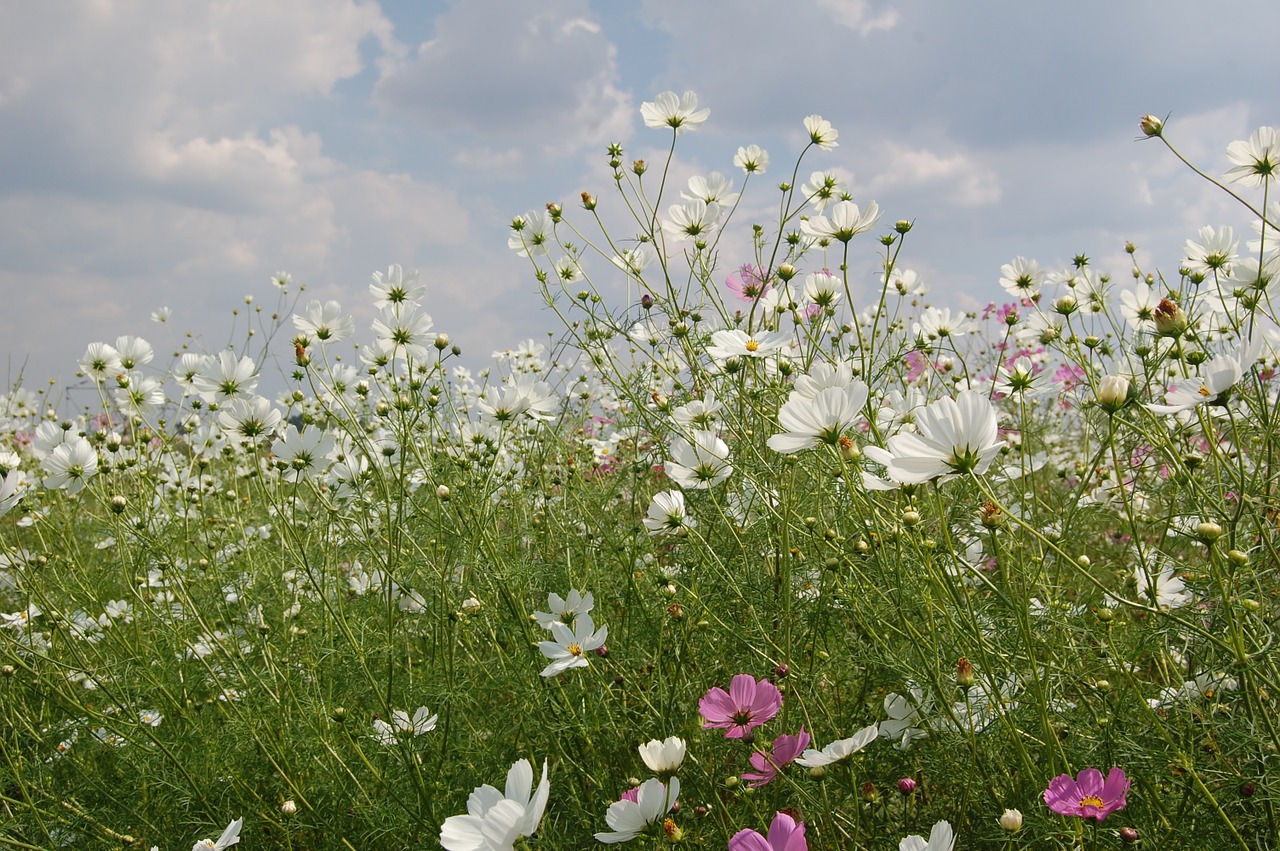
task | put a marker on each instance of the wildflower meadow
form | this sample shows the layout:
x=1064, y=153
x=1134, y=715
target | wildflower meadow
x=756, y=551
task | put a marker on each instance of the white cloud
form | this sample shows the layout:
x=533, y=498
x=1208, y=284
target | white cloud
x=541, y=75
x=957, y=177
x=857, y=16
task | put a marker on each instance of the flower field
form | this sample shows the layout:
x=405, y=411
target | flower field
x=760, y=555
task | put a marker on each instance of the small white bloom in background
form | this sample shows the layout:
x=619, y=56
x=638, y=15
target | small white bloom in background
x=471, y=605
x=12, y=488
x=1217, y=377
x=565, y=609
x=161, y=315
x=281, y=280
x=403, y=726
x=667, y=514
x=941, y=838
x=496, y=820
x=570, y=647
x=679, y=113
x=1162, y=588
x=229, y=837
x=752, y=159
x=821, y=133
x=1255, y=160
x=150, y=718
x=663, y=757
x=838, y=750
x=905, y=723
x=630, y=816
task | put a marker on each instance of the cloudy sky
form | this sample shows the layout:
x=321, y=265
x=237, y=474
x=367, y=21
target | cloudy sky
x=176, y=155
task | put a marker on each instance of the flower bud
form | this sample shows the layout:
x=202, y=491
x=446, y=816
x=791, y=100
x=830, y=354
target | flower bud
x=907, y=785
x=1208, y=531
x=1066, y=305
x=1170, y=319
x=1150, y=126
x=588, y=201
x=786, y=272
x=442, y=492
x=442, y=342
x=1011, y=820
x=289, y=808
x=964, y=672
x=1113, y=392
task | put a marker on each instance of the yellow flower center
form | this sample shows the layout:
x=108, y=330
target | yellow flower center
x=575, y=649
x=752, y=346
x=1204, y=391
x=1091, y=801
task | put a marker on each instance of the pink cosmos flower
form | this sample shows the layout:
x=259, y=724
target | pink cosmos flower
x=767, y=766
x=746, y=705
x=1088, y=796
x=749, y=284
x=785, y=834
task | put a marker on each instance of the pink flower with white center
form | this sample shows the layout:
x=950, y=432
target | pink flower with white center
x=746, y=705
x=748, y=284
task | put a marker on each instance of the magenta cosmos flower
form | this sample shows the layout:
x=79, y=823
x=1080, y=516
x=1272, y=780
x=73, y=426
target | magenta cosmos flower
x=746, y=705
x=1088, y=796
x=785, y=834
x=768, y=765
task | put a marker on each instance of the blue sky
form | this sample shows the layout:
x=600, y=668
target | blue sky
x=160, y=154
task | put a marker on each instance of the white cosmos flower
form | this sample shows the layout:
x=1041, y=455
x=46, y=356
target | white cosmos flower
x=1255, y=160
x=1215, y=251
x=823, y=188
x=495, y=820
x=715, y=188
x=821, y=133
x=667, y=514
x=227, y=376
x=532, y=233
x=663, y=757
x=953, y=436
x=100, y=361
x=825, y=418
x=846, y=222
x=565, y=609
x=906, y=717
x=1021, y=278
x=941, y=838
x=698, y=462
x=1217, y=377
x=396, y=287
x=571, y=646
x=12, y=489
x=70, y=465
x=1163, y=588
x=229, y=837
x=679, y=113
x=302, y=453
x=838, y=750
x=629, y=817
x=752, y=159
x=736, y=343
x=691, y=220
x=249, y=419
x=325, y=322
x=403, y=726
